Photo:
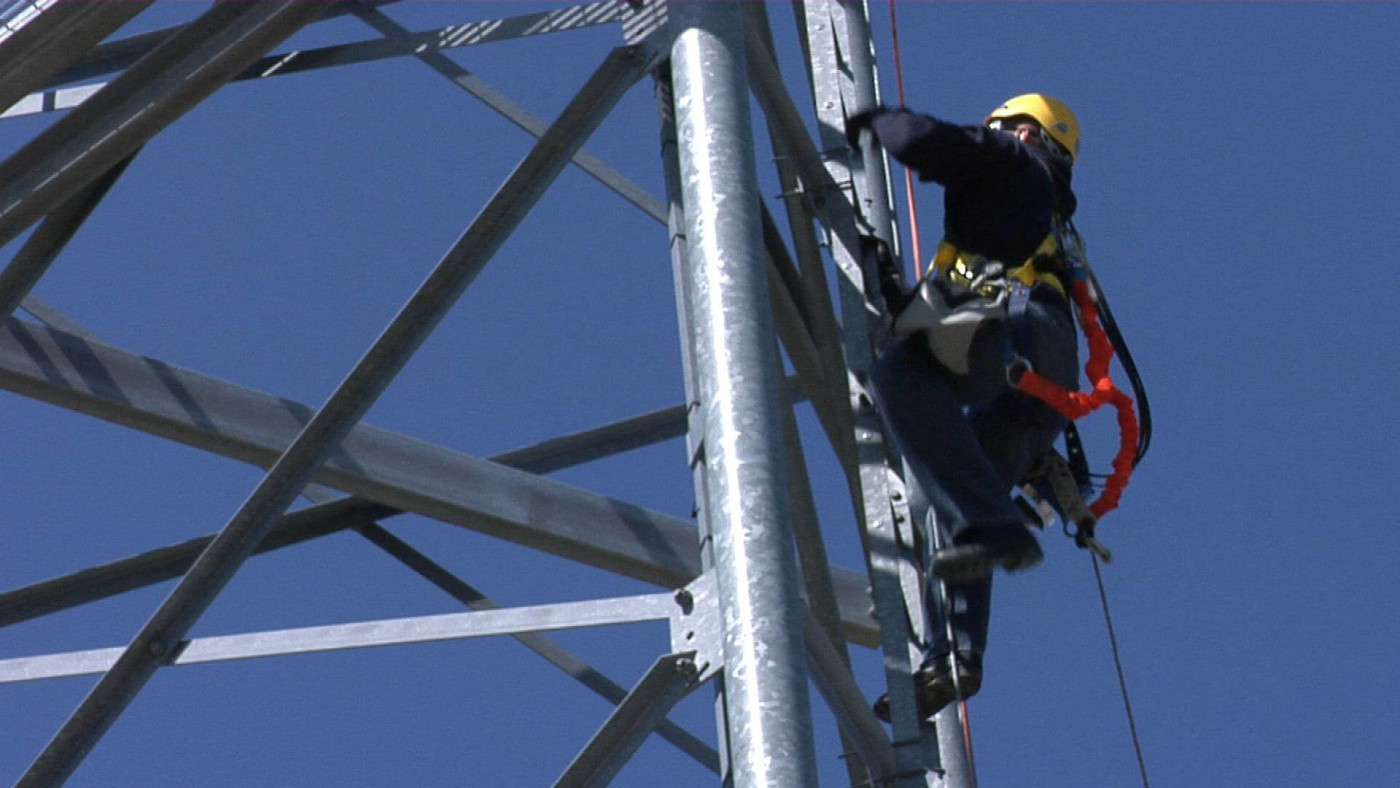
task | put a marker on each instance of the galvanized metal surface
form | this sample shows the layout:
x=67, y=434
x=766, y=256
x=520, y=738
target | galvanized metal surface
x=140, y=103
x=667, y=681
x=334, y=421
x=552, y=652
x=57, y=229
x=512, y=111
x=838, y=42
x=832, y=675
x=733, y=411
x=38, y=39
x=362, y=634
x=765, y=690
x=149, y=395
x=167, y=563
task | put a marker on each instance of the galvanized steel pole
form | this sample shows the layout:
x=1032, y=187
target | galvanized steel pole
x=765, y=681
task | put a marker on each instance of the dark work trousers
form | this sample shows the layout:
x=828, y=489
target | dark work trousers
x=968, y=440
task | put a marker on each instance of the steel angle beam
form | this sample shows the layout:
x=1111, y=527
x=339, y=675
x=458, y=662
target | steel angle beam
x=842, y=80
x=666, y=682
x=342, y=411
x=140, y=103
x=824, y=193
x=54, y=233
x=120, y=54
x=38, y=39
x=833, y=678
x=168, y=563
x=253, y=427
x=235, y=422
x=815, y=293
x=117, y=55
x=785, y=283
x=362, y=634
x=45, y=313
x=397, y=35
x=551, y=651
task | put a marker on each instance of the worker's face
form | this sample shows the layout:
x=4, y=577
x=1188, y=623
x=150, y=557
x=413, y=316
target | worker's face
x=1026, y=130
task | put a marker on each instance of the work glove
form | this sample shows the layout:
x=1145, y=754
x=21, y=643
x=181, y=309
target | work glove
x=892, y=287
x=860, y=121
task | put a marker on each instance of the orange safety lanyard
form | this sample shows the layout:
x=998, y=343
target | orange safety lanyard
x=1073, y=404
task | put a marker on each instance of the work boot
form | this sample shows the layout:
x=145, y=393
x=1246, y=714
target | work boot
x=976, y=551
x=934, y=687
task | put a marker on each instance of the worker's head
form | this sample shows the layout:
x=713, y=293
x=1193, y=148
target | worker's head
x=1039, y=120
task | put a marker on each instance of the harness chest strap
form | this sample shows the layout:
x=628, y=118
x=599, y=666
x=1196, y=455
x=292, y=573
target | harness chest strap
x=961, y=266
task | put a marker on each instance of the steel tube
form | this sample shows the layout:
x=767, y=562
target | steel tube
x=765, y=681
x=336, y=418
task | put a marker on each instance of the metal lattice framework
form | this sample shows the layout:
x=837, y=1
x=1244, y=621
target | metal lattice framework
x=734, y=591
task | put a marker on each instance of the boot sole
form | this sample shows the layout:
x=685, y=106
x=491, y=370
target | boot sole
x=969, y=563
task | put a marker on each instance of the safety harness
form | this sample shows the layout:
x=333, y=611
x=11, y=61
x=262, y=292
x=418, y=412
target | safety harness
x=993, y=293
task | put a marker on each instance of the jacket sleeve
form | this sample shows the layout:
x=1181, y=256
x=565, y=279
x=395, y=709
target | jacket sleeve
x=944, y=152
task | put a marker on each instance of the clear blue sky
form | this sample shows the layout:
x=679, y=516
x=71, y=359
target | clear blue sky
x=1236, y=189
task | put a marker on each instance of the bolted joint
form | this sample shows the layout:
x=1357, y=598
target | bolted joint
x=686, y=600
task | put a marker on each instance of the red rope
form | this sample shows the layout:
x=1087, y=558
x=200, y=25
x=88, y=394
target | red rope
x=1074, y=404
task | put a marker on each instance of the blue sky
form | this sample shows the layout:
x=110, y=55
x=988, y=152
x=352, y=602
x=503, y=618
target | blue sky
x=1235, y=186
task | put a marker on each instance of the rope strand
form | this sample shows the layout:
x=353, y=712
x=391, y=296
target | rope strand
x=1118, y=665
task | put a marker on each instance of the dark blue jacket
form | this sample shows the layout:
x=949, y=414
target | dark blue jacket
x=999, y=193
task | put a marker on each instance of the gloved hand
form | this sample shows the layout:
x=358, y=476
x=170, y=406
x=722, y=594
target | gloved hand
x=859, y=121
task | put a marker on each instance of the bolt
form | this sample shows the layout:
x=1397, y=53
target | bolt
x=685, y=599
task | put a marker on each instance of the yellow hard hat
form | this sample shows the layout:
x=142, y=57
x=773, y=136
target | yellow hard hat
x=1052, y=114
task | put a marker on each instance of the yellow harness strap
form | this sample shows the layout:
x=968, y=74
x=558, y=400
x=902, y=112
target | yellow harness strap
x=960, y=266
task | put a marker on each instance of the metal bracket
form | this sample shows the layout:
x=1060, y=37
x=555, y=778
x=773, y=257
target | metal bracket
x=695, y=626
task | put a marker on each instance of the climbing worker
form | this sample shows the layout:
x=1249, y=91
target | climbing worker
x=992, y=302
